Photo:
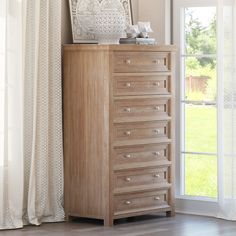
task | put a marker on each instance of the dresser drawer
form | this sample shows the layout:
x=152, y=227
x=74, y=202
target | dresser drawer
x=125, y=204
x=138, y=107
x=139, y=154
x=141, y=62
x=142, y=130
x=141, y=85
x=140, y=177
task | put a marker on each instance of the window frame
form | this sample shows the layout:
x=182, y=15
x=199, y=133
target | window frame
x=179, y=40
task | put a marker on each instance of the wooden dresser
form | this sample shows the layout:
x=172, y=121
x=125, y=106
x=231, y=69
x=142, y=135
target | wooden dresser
x=118, y=130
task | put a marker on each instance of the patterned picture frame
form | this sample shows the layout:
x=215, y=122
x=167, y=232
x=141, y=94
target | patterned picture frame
x=82, y=18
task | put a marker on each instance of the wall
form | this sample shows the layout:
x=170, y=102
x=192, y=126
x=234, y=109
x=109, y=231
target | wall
x=135, y=10
x=66, y=23
x=158, y=13
x=155, y=11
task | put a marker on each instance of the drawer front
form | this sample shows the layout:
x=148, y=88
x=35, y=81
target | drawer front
x=141, y=177
x=141, y=107
x=146, y=153
x=125, y=203
x=141, y=85
x=142, y=130
x=141, y=62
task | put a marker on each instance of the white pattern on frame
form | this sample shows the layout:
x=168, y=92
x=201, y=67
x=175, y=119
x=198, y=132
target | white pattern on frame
x=83, y=18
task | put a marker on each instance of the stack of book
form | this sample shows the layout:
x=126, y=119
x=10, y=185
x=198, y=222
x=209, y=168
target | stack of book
x=142, y=41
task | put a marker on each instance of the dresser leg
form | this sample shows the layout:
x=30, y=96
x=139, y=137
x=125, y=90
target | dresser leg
x=67, y=217
x=108, y=222
x=170, y=213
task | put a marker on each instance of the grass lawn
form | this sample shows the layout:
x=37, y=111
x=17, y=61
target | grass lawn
x=201, y=136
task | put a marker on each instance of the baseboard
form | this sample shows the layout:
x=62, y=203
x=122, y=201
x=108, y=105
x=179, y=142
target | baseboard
x=196, y=207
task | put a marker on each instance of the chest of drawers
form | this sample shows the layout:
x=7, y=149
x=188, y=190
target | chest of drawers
x=118, y=130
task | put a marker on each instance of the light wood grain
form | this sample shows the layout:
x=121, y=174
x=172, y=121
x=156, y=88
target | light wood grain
x=140, y=154
x=140, y=177
x=138, y=142
x=138, y=48
x=86, y=139
x=149, y=107
x=118, y=124
x=141, y=130
x=130, y=119
x=141, y=165
x=140, y=202
x=141, y=61
x=141, y=84
x=141, y=188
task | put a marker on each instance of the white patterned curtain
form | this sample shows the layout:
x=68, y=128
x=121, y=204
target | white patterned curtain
x=31, y=156
x=227, y=108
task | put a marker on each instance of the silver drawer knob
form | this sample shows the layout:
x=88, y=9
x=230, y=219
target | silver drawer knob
x=157, y=61
x=157, y=176
x=128, y=109
x=157, y=153
x=127, y=179
x=128, y=202
x=157, y=108
x=157, y=131
x=156, y=198
x=157, y=84
x=127, y=156
x=128, y=85
x=128, y=133
x=128, y=61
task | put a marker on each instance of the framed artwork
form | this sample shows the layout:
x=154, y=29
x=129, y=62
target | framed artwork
x=82, y=18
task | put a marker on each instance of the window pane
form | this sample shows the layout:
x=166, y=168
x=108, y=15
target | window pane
x=200, y=79
x=200, y=128
x=200, y=30
x=2, y=75
x=201, y=175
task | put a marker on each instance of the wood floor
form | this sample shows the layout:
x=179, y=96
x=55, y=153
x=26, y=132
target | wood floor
x=181, y=225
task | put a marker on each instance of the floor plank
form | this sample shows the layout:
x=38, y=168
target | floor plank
x=181, y=225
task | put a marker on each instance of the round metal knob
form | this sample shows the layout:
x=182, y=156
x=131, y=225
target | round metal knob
x=157, y=198
x=128, y=85
x=157, y=84
x=127, y=156
x=128, y=202
x=157, y=153
x=127, y=179
x=157, y=176
x=157, y=108
x=157, y=131
x=128, y=61
x=128, y=109
x=157, y=61
x=128, y=133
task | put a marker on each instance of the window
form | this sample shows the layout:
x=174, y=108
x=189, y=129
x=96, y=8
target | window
x=197, y=35
x=2, y=74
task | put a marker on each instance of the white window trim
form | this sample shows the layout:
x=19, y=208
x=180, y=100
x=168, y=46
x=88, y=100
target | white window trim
x=184, y=203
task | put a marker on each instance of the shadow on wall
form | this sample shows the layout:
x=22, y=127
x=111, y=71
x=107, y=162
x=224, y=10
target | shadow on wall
x=66, y=23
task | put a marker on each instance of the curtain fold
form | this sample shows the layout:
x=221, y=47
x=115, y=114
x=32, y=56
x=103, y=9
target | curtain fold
x=43, y=140
x=11, y=111
x=227, y=109
x=31, y=155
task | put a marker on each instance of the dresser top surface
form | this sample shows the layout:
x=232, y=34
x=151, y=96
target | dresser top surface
x=119, y=47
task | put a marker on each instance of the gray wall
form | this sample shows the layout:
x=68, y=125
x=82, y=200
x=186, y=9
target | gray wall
x=66, y=23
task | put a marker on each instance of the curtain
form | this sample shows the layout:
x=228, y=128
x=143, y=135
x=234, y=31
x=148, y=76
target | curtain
x=11, y=98
x=31, y=155
x=227, y=108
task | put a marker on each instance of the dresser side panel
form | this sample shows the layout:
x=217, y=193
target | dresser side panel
x=86, y=132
